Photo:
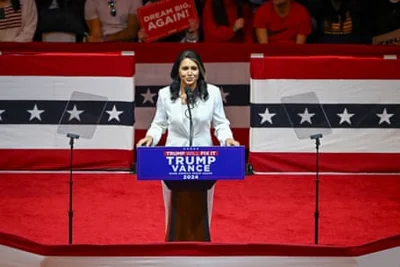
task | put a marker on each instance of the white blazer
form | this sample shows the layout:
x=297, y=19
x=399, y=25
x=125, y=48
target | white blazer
x=206, y=114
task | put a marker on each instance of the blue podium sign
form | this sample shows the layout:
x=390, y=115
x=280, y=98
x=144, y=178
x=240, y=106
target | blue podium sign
x=190, y=163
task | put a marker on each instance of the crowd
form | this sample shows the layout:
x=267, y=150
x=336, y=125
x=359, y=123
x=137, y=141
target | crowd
x=250, y=21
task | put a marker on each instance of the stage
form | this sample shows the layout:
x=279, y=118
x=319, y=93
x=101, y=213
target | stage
x=265, y=219
x=115, y=208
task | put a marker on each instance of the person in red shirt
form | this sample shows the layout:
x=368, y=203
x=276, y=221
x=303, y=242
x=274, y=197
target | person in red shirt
x=282, y=21
x=227, y=21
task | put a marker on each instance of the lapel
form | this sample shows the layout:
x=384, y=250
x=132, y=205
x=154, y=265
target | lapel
x=178, y=113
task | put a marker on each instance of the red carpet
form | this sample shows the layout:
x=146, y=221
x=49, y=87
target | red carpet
x=117, y=209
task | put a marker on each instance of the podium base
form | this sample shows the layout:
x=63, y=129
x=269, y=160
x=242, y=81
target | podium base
x=188, y=213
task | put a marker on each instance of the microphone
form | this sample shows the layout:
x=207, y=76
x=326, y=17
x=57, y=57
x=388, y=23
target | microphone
x=189, y=95
x=189, y=100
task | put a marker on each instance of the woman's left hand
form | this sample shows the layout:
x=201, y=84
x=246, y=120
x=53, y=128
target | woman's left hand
x=231, y=142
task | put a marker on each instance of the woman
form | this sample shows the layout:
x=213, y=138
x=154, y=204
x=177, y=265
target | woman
x=227, y=21
x=171, y=114
x=18, y=19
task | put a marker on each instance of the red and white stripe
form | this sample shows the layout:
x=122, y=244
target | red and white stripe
x=12, y=19
x=54, y=76
x=334, y=80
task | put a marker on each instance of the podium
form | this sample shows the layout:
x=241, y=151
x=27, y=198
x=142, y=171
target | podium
x=189, y=172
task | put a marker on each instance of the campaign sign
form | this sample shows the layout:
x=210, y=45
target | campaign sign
x=390, y=38
x=190, y=163
x=163, y=18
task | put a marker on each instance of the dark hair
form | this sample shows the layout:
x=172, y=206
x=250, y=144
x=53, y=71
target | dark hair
x=201, y=87
x=219, y=11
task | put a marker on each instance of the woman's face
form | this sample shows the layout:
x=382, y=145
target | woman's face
x=189, y=73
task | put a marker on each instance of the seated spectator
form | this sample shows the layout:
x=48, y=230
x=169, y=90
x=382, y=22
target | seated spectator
x=18, y=19
x=282, y=21
x=61, y=18
x=339, y=21
x=190, y=35
x=386, y=21
x=227, y=21
x=112, y=20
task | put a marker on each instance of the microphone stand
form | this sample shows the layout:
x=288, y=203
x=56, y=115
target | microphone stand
x=70, y=211
x=189, y=99
x=201, y=186
x=316, y=137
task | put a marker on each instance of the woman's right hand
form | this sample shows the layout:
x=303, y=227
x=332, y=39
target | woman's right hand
x=147, y=141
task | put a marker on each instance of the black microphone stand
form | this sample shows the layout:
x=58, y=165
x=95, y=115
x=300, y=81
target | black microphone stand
x=316, y=137
x=189, y=100
x=72, y=137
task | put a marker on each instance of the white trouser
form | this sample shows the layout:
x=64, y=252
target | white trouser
x=167, y=201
